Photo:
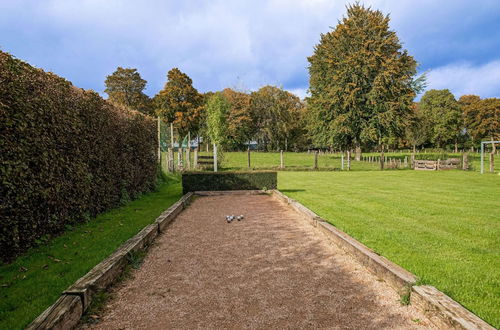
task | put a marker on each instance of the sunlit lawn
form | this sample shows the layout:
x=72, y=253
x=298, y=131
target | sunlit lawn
x=443, y=226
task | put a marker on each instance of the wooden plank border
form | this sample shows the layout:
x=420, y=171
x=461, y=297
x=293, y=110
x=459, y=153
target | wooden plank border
x=66, y=312
x=443, y=311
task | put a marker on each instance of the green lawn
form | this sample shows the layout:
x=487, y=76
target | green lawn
x=442, y=226
x=326, y=162
x=35, y=281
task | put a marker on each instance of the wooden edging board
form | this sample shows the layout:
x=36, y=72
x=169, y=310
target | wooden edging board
x=66, y=312
x=440, y=308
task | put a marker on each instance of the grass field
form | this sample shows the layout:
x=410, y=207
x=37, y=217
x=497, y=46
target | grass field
x=34, y=281
x=442, y=226
x=326, y=162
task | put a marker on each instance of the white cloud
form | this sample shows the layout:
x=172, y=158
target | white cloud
x=465, y=78
x=300, y=92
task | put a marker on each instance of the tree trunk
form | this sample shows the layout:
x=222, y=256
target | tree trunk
x=358, y=152
x=414, y=148
x=348, y=159
x=456, y=146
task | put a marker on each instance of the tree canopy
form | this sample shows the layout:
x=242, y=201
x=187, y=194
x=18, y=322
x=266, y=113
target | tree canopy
x=240, y=121
x=277, y=116
x=442, y=113
x=179, y=102
x=362, y=82
x=218, y=109
x=125, y=87
x=481, y=117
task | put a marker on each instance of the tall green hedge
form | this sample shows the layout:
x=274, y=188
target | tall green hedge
x=65, y=155
x=209, y=181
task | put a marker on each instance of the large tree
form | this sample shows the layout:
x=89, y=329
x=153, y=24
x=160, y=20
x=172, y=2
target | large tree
x=361, y=82
x=125, y=87
x=481, y=117
x=179, y=102
x=276, y=114
x=443, y=115
x=240, y=121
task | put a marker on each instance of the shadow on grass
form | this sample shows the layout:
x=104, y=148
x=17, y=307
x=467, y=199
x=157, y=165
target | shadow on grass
x=292, y=190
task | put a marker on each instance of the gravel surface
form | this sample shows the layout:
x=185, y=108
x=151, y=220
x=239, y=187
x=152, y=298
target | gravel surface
x=270, y=270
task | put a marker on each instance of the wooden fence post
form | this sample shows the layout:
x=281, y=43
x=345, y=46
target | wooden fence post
x=316, y=159
x=342, y=161
x=438, y=164
x=170, y=162
x=465, y=161
x=188, y=158
x=248, y=156
x=348, y=160
x=195, y=160
x=282, y=163
x=159, y=140
x=215, y=157
x=492, y=163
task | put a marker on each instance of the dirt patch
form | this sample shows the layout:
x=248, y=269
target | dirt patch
x=271, y=270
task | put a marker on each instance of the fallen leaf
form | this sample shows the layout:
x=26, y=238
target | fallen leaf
x=45, y=266
x=23, y=269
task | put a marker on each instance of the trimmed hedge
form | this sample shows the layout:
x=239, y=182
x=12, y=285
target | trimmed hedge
x=65, y=155
x=210, y=181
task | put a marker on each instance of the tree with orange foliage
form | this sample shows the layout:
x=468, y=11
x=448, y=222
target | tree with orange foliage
x=481, y=117
x=179, y=102
x=240, y=128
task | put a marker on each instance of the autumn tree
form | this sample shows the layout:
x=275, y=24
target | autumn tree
x=240, y=128
x=126, y=87
x=362, y=82
x=179, y=102
x=481, y=117
x=275, y=113
x=443, y=115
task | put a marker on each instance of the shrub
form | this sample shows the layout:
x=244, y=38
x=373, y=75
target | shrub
x=65, y=155
x=207, y=181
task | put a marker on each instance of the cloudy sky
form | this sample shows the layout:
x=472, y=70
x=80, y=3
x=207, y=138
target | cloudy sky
x=242, y=44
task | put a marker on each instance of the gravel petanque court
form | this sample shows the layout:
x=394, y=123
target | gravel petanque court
x=271, y=270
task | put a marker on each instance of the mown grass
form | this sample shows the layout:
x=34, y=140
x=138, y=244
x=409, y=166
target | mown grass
x=35, y=281
x=443, y=226
x=326, y=162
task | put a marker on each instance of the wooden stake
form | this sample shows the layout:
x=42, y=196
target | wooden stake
x=248, y=157
x=215, y=157
x=282, y=164
x=492, y=162
x=159, y=140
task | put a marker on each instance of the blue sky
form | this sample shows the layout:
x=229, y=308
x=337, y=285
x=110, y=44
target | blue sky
x=242, y=44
